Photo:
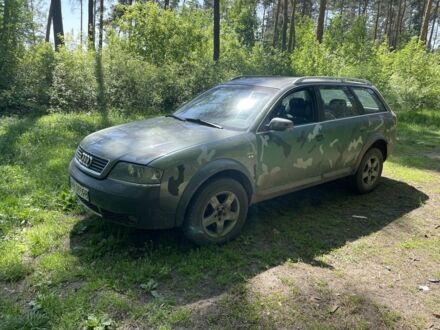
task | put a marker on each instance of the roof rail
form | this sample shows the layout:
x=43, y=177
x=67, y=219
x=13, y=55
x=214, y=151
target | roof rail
x=255, y=76
x=337, y=79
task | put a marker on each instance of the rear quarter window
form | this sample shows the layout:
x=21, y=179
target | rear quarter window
x=369, y=100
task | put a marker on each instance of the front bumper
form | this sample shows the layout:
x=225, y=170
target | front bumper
x=126, y=203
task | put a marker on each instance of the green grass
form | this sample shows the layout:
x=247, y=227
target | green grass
x=61, y=268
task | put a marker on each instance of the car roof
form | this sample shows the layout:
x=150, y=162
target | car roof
x=282, y=82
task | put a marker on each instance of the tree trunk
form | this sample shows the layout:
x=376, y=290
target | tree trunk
x=101, y=24
x=342, y=8
x=388, y=19
x=421, y=15
x=166, y=4
x=433, y=24
x=435, y=35
x=377, y=19
x=32, y=13
x=402, y=17
x=49, y=23
x=320, y=27
x=5, y=32
x=275, y=31
x=364, y=10
x=390, y=26
x=94, y=20
x=216, y=54
x=91, y=26
x=57, y=17
x=6, y=60
x=81, y=20
x=285, y=22
x=426, y=17
x=291, y=45
x=397, y=28
x=263, y=23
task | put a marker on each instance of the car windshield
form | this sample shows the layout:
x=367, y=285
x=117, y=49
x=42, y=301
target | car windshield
x=229, y=106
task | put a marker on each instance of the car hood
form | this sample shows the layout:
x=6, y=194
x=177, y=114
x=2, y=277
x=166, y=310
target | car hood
x=143, y=141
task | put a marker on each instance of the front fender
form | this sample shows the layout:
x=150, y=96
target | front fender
x=202, y=175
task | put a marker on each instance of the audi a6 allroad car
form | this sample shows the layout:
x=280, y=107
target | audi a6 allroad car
x=239, y=143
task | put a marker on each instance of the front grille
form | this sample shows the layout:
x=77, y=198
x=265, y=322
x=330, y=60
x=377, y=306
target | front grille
x=96, y=164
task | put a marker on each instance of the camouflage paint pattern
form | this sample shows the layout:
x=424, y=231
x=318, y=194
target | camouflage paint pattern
x=274, y=162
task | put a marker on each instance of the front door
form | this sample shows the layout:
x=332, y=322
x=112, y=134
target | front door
x=291, y=158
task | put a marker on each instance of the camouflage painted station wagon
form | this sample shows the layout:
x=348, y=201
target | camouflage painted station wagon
x=239, y=143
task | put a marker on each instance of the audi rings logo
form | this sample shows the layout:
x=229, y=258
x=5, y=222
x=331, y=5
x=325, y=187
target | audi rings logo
x=85, y=159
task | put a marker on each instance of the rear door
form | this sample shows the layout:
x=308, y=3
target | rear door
x=343, y=127
x=372, y=106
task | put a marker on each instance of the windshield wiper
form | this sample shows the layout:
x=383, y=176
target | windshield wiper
x=203, y=122
x=176, y=117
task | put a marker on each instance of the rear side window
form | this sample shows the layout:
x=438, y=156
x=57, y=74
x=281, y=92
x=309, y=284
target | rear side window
x=369, y=100
x=337, y=102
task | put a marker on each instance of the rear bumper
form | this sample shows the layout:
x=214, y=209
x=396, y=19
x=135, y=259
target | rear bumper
x=129, y=204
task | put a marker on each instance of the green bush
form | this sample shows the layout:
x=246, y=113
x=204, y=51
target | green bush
x=415, y=77
x=74, y=84
x=155, y=60
x=35, y=76
x=163, y=36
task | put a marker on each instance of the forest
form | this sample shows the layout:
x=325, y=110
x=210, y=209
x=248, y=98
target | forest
x=152, y=56
x=320, y=258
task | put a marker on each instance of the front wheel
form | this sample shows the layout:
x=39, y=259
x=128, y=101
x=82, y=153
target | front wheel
x=217, y=212
x=369, y=172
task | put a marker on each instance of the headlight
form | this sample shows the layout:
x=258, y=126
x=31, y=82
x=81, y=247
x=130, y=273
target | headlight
x=136, y=173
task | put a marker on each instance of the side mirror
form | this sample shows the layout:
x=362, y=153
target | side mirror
x=280, y=124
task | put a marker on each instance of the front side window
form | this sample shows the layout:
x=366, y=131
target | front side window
x=230, y=106
x=369, y=100
x=337, y=102
x=297, y=107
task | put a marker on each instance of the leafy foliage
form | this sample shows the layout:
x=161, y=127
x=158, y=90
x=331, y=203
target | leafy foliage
x=155, y=59
x=163, y=36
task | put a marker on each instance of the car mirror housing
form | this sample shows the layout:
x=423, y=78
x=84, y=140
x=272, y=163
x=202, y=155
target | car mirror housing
x=280, y=124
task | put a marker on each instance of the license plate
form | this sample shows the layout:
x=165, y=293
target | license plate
x=78, y=189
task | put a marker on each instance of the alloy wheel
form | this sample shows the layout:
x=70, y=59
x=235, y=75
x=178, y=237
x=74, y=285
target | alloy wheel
x=371, y=171
x=221, y=214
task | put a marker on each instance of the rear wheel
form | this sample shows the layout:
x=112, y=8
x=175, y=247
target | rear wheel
x=369, y=172
x=217, y=212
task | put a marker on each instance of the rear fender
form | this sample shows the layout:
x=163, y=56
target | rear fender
x=373, y=138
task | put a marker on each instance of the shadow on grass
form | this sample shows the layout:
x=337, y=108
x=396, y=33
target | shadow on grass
x=308, y=306
x=11, y=137
x=101, y=100
x=302, y=226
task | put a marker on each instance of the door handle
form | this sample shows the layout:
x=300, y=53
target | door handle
x=319, y=137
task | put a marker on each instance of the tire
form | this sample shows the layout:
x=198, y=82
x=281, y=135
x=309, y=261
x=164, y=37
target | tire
x=217, y=212
x=369, y=171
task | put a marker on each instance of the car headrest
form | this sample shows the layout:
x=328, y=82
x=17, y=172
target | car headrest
x=338, y=103
x=297, y=106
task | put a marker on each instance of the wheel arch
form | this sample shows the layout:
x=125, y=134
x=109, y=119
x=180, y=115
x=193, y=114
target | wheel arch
x=382, y=146
x=216, y=169
x=376, y=141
